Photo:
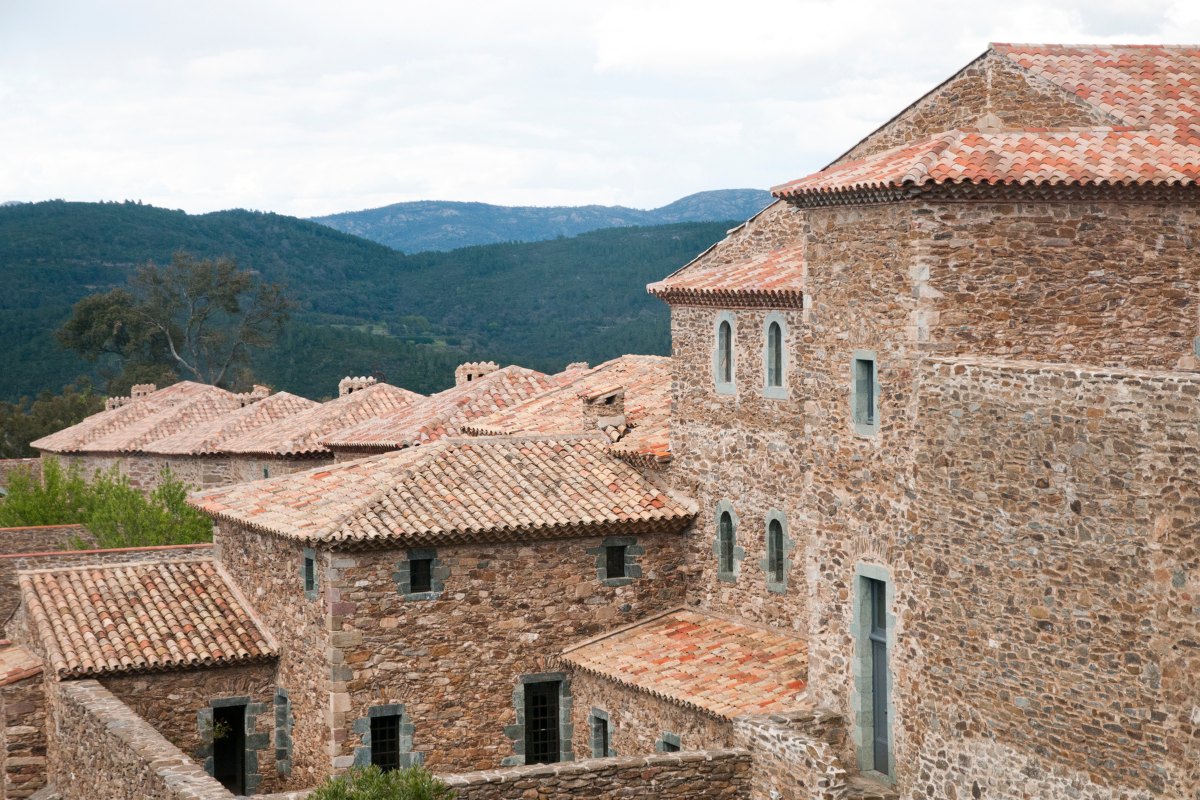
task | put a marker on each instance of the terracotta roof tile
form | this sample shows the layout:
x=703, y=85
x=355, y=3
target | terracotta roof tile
x=207, y=436
x=714, y=665
x=769, y=280
x=102, y=424
x=445, y=413
x=17, y=663
x=136, y=436
x=486, y=489
x=140, y=617
x=301, y=434
x=647, y=384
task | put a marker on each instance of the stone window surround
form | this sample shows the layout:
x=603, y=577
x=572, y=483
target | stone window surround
x=862, y=733
x=284, y=722
x=739, y=553
x=775, y=392
x=860, y=428
x=789, y=545
x=437, y=572
x=668, y=738
x=310, y=555
x=632, y=551
x=566, y=730
x=254, y=741
x=362, y=727
x=721, y=386
x=600, y=715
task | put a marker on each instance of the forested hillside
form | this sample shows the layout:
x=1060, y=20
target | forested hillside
x=442, y=225
x=540, y=304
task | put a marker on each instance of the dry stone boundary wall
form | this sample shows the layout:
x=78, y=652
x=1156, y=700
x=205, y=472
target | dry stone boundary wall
x=40, y=539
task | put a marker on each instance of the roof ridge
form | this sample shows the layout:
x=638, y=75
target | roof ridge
x=111, y=565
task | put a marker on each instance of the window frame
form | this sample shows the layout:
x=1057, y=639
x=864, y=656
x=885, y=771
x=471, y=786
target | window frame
x=614, y=561
x=770, y=391
x=784, y=555
x=868, y=579
x=731, y=574
x=869, y=426
x=600, y=734
x=437, y=574
x=725, y=386
x=308, y=558
x=669, y=743
x=390, y=760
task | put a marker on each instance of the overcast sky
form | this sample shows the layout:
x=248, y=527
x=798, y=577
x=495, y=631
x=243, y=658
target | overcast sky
x=312, y=108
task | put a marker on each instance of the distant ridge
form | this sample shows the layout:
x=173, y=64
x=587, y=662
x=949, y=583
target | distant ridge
x=446, y=225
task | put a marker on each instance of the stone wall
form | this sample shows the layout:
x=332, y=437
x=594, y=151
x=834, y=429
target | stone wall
x=10, y=465
x=176, y=704
x=796, y=755
x=991, y=85
x=100, y=748
x=637, y=720
x=38, y=539
x=22, y=737
x=244, y=469
x=778, y=225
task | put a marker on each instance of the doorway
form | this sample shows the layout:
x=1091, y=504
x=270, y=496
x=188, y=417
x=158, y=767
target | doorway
x=229, y=747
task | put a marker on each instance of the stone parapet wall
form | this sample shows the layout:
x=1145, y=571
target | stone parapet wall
x=10, y=465
x=795, y=754
x=38, y=539
x=100, y=748
x=22, y=737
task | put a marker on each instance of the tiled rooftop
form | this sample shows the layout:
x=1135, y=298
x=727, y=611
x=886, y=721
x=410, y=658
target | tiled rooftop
x=139, y=617
x=767, y=280
x=454, y=490
x=17, y=663
x=717, y=666
x=647, y=384
x=445, y=413
x=101, y=424
x=206, y=437
x=205, y=407
x=300, y=434
x=1151, y=92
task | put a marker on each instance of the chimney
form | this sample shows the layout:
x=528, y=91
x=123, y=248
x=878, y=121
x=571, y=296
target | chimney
x=604, y=409
x=260, y=392
x=142, y=390
x=473, y=371
x=348, y=385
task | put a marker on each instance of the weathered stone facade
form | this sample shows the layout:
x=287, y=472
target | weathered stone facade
x=10, y=465
x=38, y=539
x=22, y=736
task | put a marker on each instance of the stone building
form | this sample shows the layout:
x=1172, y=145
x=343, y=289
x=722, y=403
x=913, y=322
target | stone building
x=914, y=516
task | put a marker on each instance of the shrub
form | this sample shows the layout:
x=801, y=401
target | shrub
x=371, y=783
x=117, y=514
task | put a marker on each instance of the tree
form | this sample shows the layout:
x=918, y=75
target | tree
x=200, y=318
x=23, y=422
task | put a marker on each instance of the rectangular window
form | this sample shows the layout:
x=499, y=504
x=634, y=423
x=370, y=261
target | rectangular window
x=864, y=391
x=877, y=595
x=420, y=575
x=615, y=561
x=599, y=738
x=775, y=551
x=229, y=747
x=310, y=574
x=541, y=723
x=385, y=742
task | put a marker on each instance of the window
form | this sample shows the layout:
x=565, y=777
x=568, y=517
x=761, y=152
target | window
x=774, y=355
x=670, y=747
x=420, y=573
x=266, y=473
x=864, y=391
x=229, y=747
x=385, y=742
x=877, y=597
x=725, y=350
x=599, y=737
x=775, y=570
x=669, y=743
x=614, y=566
x=541, y=723
x=310, y=574
x=725, y=542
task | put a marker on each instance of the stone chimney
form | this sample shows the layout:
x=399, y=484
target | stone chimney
x=260, y=392
x=142, y=390
x=581, y=366
x=347, y=385
x=604, y=410
x=473, y=371
x=116, y=402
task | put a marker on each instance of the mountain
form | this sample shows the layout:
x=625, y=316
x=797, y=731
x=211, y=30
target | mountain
x=444, y=225
x=539, y=304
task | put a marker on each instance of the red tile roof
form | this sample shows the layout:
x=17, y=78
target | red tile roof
x=206, y=437
x=445, y=413
x=647, y=384
x=140, y=617
x=301, y=434
x=717, y=666
x=204, y=407
x=17, y=664
x=1152, y=93
x=454, y=490
x=769, y=280
x=71, y=439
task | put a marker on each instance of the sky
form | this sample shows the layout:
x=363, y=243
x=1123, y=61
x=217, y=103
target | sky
x=308, y=108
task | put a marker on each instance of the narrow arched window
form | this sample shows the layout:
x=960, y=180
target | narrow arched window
x=725, y=536
x=725, y=353
x=775, y=551
x=774, y=355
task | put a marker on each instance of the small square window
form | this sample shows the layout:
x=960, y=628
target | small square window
x=420, y=575
x=614, y=566
x=310, y=574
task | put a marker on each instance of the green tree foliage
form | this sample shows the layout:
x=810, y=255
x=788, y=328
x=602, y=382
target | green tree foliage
x=23, y=422
x=371, y=783
x=117, y=514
